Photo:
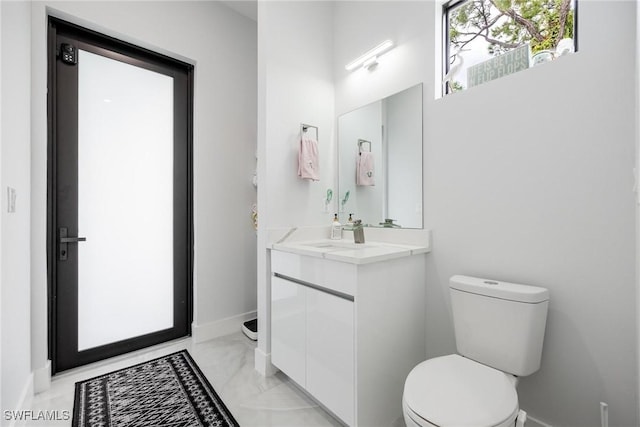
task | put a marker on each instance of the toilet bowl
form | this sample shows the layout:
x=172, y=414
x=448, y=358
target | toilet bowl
x=456, y=391
x=499, y=330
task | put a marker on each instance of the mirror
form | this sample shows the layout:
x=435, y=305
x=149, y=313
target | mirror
x=380, y=161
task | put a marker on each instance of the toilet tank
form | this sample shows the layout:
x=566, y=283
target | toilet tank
x=499, y=324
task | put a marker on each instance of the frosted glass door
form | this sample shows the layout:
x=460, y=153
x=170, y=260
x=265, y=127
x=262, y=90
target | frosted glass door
x=125, y=201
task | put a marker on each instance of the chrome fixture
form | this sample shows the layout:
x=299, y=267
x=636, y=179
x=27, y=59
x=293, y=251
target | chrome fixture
x=358, y=231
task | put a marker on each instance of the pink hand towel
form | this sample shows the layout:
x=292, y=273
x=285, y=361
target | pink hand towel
x=308, y=162
x=365, y=168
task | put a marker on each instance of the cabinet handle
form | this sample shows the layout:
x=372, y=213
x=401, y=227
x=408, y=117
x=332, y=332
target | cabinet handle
x=316, y=287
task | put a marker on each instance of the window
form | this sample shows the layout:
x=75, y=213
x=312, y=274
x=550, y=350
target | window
x=487, y=39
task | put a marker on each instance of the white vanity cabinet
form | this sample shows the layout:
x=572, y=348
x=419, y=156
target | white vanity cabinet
x=288, y=327
x=348, y=333
x=330, y=352
x=312, y=341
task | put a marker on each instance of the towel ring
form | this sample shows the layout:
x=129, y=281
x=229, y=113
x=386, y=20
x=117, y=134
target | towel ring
x=361, y=142
x=305, y=127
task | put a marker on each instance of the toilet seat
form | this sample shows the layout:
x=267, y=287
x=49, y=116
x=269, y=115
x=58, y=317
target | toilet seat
x=456, y=391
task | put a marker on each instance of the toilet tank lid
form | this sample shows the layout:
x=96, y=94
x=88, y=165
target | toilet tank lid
x=497, y=289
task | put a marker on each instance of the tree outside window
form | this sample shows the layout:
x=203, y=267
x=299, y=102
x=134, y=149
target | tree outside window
x=479, y=30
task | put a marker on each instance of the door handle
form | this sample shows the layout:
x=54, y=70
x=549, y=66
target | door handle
x=64, y=239
x=72, y=239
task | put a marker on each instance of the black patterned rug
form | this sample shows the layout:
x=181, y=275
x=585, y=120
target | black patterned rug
x=168, y=391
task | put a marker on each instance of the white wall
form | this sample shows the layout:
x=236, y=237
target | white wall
x=359, y=26
x=299, y=90
x=1, y=401
x=223, y=46
x=15, y=370
x=637, y=121
x=545, y=198
x=553, y=209
x=295, y=86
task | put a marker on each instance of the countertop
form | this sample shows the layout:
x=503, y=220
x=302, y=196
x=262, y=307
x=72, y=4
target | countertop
x=347, y=251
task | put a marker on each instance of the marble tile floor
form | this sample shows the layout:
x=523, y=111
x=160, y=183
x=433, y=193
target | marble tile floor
x=227, y=362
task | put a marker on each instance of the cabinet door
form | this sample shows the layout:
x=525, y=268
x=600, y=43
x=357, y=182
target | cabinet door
x=330, y=352
x=288, y=328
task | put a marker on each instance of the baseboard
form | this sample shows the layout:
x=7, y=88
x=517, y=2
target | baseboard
x=23, y=403
x=263, y=363
x=534, y=422
x=42, y=378
x=219, y=328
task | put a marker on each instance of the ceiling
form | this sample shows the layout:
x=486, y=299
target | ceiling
x=248, y=8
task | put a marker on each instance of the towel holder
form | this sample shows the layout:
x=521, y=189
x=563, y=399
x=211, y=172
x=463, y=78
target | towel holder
x=305, y=127
x=361, y=142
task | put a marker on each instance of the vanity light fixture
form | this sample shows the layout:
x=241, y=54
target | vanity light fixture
x=369, y=59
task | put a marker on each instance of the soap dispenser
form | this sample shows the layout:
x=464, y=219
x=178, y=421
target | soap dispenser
x=336, y=228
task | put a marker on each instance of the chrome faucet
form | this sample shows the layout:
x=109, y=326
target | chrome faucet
x=358, y=231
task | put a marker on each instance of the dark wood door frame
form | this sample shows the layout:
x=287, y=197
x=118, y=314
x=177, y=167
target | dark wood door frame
x=62, y=327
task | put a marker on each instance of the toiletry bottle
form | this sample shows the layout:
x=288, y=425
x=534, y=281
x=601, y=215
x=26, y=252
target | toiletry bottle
x=350, y=220
x=336, y=228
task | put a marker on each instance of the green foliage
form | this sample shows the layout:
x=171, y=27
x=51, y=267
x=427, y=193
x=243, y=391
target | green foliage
x=456, y=86
x=506, y=24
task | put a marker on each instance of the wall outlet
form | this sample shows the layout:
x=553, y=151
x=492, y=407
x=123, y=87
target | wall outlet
x=11, y=200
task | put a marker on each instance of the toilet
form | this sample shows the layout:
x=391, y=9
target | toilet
x=499, y=330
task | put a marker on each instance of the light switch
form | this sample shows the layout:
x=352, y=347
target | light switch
x=11, y=200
